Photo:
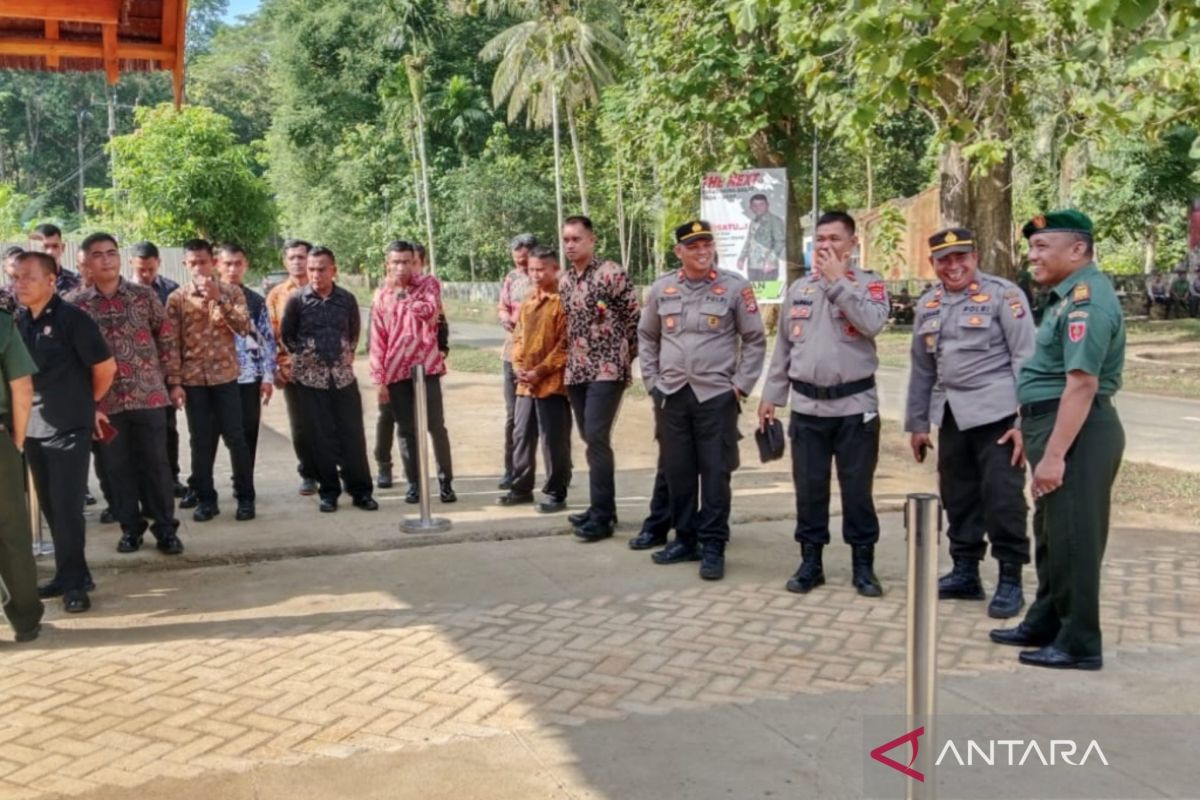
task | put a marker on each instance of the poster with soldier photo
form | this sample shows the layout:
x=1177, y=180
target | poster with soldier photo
x=747, y=211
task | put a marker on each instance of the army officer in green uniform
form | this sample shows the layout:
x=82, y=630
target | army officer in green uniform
x=1074, y=441
x=766, y=243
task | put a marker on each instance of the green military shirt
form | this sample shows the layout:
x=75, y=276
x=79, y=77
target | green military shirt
x=1082, y=329
x=15, y=361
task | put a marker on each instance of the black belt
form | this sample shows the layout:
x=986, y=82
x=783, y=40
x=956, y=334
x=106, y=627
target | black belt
x=1049, y=406
x=814, y=392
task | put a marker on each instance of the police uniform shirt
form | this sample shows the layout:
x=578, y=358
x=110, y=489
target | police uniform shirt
x=690, y=330
x=1082, y=329
x=65, y=344
x=967, y=349
x=827, y=338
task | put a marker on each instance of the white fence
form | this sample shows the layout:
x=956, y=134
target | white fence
x=171, y=258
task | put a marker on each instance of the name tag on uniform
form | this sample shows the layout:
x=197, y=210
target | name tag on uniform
x=931, y=342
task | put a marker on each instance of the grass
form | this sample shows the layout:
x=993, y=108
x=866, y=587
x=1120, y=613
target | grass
x=464, y=358
x=469, y=310
x=1159, y=490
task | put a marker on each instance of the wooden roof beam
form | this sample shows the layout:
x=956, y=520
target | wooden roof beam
x=63, y=10
x=179, y=43
x=108, y=44
x=52, y=35
x=134, y=51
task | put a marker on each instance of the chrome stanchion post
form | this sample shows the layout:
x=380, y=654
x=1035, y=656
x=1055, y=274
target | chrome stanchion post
x=41, y=547
x=426, y=523
x=923, y=521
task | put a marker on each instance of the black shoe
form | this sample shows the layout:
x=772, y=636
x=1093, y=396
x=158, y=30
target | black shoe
x=811, y=572
x=29, y=635
x=76, y=601
x=677, y=552
x=594, y=530
x=384, y=479
x=170, y=545
x=1009, y=599
x=89, y=499
x=107, y=517
x=1050, y=656
x=962, y=582
x=308, y=487
x=50, y=589
x=365, y=503
x=580, y=518
x=862, y=563
x=328, y=505
x=1020, y=636
x=447, y=494
x=505, y=483
x=130, y=542
x=712, y=561
x=514, y=498
x=245, y=511
x=180, y=490
x=552, y=506
x=647, y=540
x=412, y=496
x=190, y=499
x=205, y=512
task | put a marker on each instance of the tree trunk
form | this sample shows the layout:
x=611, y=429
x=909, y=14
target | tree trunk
x=579, y=174
x=622, y=240
x=111, y=98
x=1150, y=247
x=870, y=179
x=953, y=200
x=415, y=161
x=989, y=216
x=558, y=193
x=425, y=191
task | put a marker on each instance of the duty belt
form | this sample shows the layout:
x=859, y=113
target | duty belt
x=836, y=392
x=1050, y=406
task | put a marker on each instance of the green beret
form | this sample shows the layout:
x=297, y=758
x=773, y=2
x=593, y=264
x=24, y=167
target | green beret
x=1068, y=220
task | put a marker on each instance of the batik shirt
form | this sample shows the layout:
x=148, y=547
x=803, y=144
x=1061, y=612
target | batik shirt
x=602, y=321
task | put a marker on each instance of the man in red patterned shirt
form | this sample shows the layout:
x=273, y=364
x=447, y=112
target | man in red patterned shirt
x=404, y=317
x=602, y=341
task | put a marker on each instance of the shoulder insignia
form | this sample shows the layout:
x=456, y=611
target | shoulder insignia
x=1082, y=293
x=1018, y=310
x=1012, y=294
x=1078, y=315
x=876, y=290
x=1076, y=330
x=748, y=299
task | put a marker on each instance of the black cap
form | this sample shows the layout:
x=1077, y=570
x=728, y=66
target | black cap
x=951, y=240
x=527, y=240
x=693, y=231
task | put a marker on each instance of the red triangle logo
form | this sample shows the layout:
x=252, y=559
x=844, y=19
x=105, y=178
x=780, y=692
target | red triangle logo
x=912, y=736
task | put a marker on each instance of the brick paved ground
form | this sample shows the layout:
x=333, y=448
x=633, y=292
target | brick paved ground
x=187, y=676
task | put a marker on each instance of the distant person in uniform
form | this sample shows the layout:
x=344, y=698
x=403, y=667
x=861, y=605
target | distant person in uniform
x=701, y=344
x=766, y=242
x=1178, y=306
x=974, y=332
x=824, y=366
x=1158, y=294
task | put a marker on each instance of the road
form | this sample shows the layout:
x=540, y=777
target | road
x=1158, y=430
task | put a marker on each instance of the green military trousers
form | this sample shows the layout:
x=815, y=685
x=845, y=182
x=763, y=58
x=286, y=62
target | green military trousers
x=1070, y=529
x=17, y=569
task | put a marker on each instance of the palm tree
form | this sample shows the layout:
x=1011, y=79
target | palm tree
x=460, y=112
x=554, y=56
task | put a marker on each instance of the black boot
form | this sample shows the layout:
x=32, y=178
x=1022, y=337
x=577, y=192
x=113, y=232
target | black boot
x=447, y=494
x=962, y=582
x=1009, y=599
x=862, y=561
x=811, y=572
x=712, y=561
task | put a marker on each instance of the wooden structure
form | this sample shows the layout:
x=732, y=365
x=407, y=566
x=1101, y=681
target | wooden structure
x=90, y=35
x=922, y=219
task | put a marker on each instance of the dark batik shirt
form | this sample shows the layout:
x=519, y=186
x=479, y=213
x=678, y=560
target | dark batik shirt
x=321, y=333
x=602, y=322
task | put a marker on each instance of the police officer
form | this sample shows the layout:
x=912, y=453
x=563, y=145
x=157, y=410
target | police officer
x=973, y=332
x=701, y=343
x=1074, y=441
x=18, y=573
x=825, y=363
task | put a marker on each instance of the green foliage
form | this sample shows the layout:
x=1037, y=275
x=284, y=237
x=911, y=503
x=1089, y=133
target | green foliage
x=13, y=205
x=183, y=174
x=232, y=76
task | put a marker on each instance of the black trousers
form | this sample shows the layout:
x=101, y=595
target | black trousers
x=334, y=422
x=300, y=444
x=212, y=412
x=59, y=465
x=173, y=442
x=699, y=440
x=106, y=489
x=982, y=491
x=385, y=436
x=250, y=398
x=547, y=418
x=403, y=398
x=816, y=442
x=18, y=572
x=137, y=464
x=658, y=520
x=510, y=405
x=595, y=406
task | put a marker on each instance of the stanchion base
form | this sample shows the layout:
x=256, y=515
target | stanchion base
x=418, y=525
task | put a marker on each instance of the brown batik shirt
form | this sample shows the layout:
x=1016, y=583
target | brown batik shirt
x=205, y=352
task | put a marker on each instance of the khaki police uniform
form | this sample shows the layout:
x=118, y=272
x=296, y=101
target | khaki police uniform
x=698, y=341
x=967, y=351
x=824, y=364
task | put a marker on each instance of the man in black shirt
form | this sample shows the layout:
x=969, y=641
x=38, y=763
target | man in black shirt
x=75, y=370
x=320, y=328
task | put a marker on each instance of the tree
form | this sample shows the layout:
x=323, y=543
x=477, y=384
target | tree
x=460, y=112
x=233, y=76
x=209, y=190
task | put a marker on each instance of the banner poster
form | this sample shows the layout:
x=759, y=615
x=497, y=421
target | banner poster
x=747, y=211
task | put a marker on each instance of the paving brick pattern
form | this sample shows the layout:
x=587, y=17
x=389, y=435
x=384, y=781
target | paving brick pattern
x=288, y=689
